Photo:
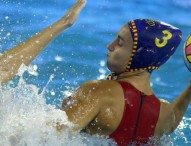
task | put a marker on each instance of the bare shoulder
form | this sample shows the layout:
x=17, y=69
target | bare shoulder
x=93, y=89
x=100, y=83
x=110, y=98
x=106, y=92
x=92, y=100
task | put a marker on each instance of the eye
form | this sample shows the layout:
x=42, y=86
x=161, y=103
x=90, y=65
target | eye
x=120, y=42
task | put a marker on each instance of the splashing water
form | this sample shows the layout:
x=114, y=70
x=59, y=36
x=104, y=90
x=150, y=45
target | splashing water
x=26, y=120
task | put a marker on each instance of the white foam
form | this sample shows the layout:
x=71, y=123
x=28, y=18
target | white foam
x=26, y=119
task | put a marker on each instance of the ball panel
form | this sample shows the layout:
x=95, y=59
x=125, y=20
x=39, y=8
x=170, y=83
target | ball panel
x=188, y=50
x=188, y=41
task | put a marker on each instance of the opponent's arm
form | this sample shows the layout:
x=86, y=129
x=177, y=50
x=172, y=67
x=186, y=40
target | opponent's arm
x=11, y=60
x=180, y=106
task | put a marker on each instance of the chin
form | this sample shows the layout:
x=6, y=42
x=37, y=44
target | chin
x=110, y=67
x=115, y=69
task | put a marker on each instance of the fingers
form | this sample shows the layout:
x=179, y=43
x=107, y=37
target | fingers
x=80, y=4
x=82, y=1
x=71, y=16
x=77, y=7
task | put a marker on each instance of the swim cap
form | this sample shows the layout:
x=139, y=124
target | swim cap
x=153, y=43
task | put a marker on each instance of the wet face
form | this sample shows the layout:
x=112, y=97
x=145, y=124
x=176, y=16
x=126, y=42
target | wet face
x=119, y=51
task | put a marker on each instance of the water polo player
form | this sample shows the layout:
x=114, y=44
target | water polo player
x=123, y=107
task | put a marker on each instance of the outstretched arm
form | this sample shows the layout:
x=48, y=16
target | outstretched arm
x=180, y=105
x=11, y=60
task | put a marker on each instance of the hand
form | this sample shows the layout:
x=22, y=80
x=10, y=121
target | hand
x=71, y=16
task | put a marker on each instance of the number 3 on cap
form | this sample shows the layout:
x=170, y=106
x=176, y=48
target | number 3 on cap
x=168, y=36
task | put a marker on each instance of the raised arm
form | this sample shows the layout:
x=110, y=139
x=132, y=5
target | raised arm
x=180, y=106
x=25, y=52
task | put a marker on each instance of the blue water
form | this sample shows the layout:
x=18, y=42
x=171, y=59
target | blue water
x=79, y=54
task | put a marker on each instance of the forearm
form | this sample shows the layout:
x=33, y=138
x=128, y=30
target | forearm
x=180, y=105
x=11, y=60
x=28, y=50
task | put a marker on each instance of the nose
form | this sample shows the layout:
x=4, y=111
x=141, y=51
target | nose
x=111, y=46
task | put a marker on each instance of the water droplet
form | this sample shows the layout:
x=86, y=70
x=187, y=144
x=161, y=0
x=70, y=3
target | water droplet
x=37, y=41
x=8, y=34
x=102, y=63
x=52, y=93
x=6, y=17
x=58, y=58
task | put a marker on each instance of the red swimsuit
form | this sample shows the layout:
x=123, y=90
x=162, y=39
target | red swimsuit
x=140, y=116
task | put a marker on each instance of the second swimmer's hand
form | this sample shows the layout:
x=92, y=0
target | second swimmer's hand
x=71, y=16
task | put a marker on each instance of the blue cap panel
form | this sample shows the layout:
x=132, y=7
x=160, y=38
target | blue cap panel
x=154, y=43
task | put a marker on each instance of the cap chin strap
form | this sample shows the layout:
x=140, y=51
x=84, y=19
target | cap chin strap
x=111, y=76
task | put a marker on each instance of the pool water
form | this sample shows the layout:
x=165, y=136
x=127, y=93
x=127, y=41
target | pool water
x=29, y=102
